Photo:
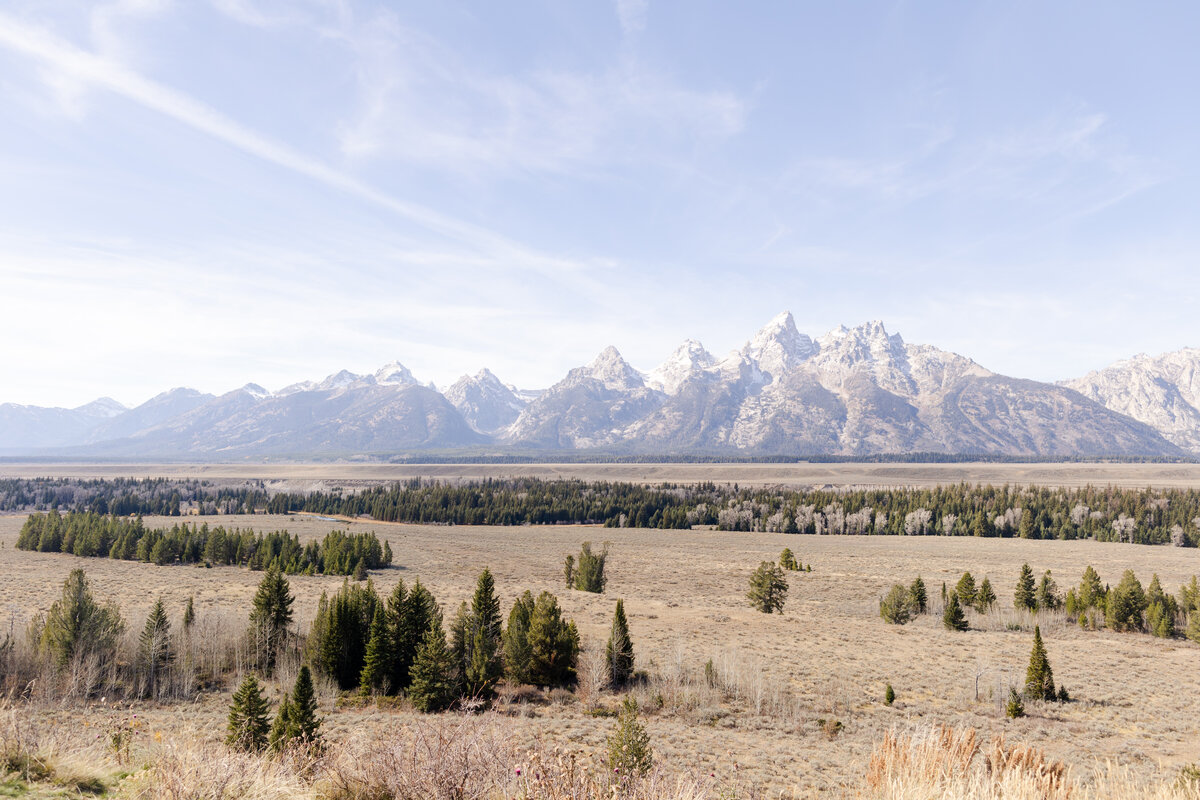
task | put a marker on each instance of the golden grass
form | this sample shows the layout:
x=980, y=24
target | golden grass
x=827, y=657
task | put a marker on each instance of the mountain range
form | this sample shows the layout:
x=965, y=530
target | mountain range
x=852, y=391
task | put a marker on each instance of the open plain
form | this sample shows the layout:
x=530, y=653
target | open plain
x=799, y=696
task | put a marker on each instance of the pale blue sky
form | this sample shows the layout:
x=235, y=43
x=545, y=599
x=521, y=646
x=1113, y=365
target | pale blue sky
x=209, y=193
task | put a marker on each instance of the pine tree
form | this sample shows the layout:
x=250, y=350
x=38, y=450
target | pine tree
x=768, y=588
x=1015, y=707
x=189, y=614
x=918, y=599
x=154, y=647
x=629, y=752
x=476, y=641
x=76, y=625
x=377, y=668
x=966, y=590
x=986, y=597
x=1160, y=610
x=282, y=726
x=1039, y=680
x=1025, y=596
x=360, y=570
x=1126, y=604
x=787, y=560
x=341, y=630
x=1193, y=628
x=304, y=726
x=517, y=655
x=889, y=695
x=896, y=607
x=248, y=725
x=589, y=569
x=953, y=617
x=1091, y=591
x=431, y=687
x=270, y=618
x=1047, y=593
x=618, y=653
x=553, y=644
x=1189, y=597
x=569, y=571
x=413, y=613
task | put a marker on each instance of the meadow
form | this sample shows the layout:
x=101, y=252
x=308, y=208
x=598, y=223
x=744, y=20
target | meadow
x=794, y=703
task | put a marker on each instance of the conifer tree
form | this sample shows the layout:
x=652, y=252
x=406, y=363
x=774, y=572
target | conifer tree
x=787, y=560
x=270, y=618
x=1039, y=679
x=618, y=653
x=629, y=752
x=517, y=655
x=986, y=597
x=768, y=588
x=189, y=613
x=76, y=625
x=476, y=640
x=589, y=569
x=432, y=687
x=553, y=644
x=1025, y=596
x=377, y=668
x=953, y=617
x=414, y=613
x=341, y=630
x=1126, y=604
x=1193, y=628
x=896, y=607
x=1047, y=593
x=966, y=590
x=1160, y=610
x=1091, y=590
x=154, y=647
x=304, y=726
x=918, y=599
x=248, y=725
x=1189, y=597
x=569, y=571
x=282, y=726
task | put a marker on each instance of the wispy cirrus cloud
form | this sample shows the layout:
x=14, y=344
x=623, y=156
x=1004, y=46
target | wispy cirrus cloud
x=67, y=63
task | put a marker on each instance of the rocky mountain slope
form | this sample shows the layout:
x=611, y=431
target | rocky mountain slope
x=1161, y=391
x=852, y=391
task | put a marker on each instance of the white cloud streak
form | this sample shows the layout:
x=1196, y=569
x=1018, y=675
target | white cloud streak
x=73, y=64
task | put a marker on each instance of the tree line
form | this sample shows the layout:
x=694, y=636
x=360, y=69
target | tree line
x=166, y=497
x=129, y=539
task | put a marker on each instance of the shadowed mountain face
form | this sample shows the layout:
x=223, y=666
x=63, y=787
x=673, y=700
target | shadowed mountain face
x=853, y=391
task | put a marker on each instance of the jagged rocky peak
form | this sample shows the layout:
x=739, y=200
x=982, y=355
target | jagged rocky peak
x=338, y=380
x=779, y=346
x=394, y=374
x=688, y=359
x=867, y=342
x=614, y=371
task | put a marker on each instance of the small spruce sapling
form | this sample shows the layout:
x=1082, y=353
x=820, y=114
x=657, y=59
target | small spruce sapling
x=248, y=725
x=953, y=618
x=889, y=695
x=629, y=752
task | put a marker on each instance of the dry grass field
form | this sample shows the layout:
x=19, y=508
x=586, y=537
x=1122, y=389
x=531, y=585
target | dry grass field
x=827, y=657
x=298, y=476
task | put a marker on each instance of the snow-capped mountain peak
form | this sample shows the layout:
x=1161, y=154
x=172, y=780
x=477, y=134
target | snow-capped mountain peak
x=339, y=380
x=102, y=408
x=779, y=346
x=687, y=360
x=394, y=374
x=614, y=371
x=255, y=391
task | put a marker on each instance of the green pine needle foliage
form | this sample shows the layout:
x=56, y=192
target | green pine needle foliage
x=629, y=751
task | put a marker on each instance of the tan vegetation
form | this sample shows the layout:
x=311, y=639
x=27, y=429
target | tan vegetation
x=790, y=702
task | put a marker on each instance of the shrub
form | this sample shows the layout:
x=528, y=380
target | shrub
x=889, y=695
x=768, y=588
x=1015, y=707
x=896, y=606
x=629, y=752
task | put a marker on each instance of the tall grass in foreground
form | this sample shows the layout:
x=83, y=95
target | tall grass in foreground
x=950, y=764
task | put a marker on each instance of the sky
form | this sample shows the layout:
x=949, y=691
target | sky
x=207, y=193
